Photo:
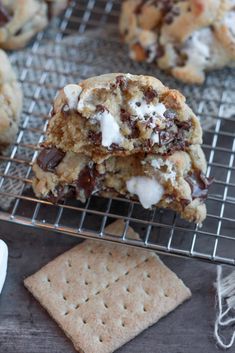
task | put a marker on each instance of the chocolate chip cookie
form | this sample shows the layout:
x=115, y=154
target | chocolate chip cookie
x=184, y=37
x=10, y=103
x=20, y=20
x=125, y=135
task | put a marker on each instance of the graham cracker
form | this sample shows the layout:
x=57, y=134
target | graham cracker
x=103, y=295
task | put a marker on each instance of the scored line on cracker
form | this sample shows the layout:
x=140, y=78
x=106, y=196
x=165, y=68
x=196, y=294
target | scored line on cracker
x=103, y=295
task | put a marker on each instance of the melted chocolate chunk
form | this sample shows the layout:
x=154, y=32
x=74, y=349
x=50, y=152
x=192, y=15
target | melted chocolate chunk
x=199, y=184
x=150, y=94
x=87, y=180
x=4, y=16
x=49, y=158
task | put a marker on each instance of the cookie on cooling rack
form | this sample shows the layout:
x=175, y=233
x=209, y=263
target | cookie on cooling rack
x=176, y=182
x=184, y=37
x=121, y=114
x=10, y=103
x=20, y=20
x=125, y=135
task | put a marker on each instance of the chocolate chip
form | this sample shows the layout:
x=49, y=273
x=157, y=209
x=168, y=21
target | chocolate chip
x=185, y=125
x=95, y=137
x=150, y=94
x=184, y=202
x=87, y=180
x=166, y=5
x=138, y=9
x=199, y=184
x=4, y=16
x=138, y=104
x=49, y=158
x=160, y=51
x=100, y=108
x=125, y=116
x=132, y=124
x=121, y=82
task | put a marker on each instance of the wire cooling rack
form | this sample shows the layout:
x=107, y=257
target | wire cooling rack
x=84, y=42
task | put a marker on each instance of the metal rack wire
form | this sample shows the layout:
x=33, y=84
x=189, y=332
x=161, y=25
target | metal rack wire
x=45, y=67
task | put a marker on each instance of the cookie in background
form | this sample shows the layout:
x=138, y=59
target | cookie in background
x=184, y=38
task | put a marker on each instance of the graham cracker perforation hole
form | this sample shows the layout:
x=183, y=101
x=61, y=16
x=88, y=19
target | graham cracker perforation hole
x=48, y=280
x=127, y=289
x=105, y=305
x=110, y=253
x=64, y=297
x=77, y=306
x=103, y=322
x=67, y=281
x=107, y=269
x=166, y=295
x=100, y=339
x=87, y=300
x=127, y=273
x=146, y=260
x=144, y=309
x=88, y=267
x=117, y=279
x=86, y=283
x=148, y=275
x=69, y=263
x=123, y=324
x=97, y=292
x=125, y=307
x=107, y=285
x=66, y=313
x=84, y=321
x=91, y=251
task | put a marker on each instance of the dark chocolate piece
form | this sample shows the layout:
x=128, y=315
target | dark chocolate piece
x=199, y=184
x=87, y=180
x=49, y=158
x=150, y=94
x=126, y=118
x=95, y=137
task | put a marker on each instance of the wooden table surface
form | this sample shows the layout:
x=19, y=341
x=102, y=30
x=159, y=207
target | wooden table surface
x=26, y=328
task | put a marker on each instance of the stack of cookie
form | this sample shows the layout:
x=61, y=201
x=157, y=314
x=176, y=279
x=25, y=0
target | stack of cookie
x=184, y=37
x=124, y=135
